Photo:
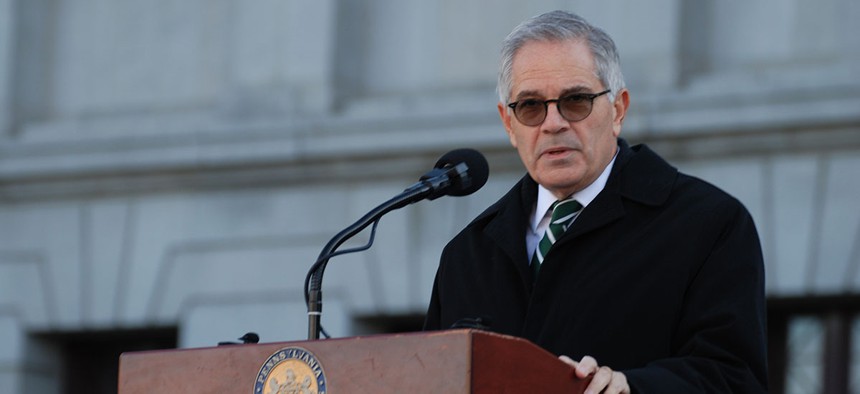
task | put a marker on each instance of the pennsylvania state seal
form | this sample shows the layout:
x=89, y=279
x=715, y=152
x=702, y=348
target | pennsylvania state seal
x=291, y=370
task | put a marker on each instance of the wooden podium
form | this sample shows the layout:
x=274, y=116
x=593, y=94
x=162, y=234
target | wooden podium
x=455, y=361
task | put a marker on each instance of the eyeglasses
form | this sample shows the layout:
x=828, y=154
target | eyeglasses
x=573, y=108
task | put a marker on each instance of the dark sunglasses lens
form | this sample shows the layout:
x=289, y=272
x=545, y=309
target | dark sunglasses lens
x=575, y=108
x=530, y=112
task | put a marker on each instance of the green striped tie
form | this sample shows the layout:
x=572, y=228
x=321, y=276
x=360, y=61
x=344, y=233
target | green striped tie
x=563, y=213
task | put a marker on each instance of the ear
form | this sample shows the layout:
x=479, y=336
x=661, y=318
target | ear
x=506, y=121
x=620, y=106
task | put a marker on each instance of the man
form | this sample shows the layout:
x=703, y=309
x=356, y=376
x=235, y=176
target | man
x=656, y=284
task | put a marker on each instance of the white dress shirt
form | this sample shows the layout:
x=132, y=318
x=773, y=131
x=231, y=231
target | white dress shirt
x=542, y=214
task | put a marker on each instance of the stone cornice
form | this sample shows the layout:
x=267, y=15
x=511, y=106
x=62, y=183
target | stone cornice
x=277, y=153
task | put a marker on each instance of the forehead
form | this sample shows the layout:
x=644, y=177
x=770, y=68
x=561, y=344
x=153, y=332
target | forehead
x=549, y=67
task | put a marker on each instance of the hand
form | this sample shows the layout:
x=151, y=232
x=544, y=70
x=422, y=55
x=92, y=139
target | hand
x=605, y=380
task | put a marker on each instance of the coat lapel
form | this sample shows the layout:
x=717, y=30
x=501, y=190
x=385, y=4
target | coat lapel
x=507, y=228
x=599, y=213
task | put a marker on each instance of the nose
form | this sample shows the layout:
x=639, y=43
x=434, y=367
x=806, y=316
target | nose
x=554, y=122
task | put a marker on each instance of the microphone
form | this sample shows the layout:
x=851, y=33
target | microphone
x=459, y=172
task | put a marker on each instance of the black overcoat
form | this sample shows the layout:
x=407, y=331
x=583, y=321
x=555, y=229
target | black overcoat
x=660, y=277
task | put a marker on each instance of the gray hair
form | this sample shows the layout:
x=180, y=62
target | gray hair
x=562, y=26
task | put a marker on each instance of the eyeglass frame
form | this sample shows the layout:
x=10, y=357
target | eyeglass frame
x=589, y=96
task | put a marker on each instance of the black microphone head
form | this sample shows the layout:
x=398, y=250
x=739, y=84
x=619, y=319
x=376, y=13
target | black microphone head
x=477, y=173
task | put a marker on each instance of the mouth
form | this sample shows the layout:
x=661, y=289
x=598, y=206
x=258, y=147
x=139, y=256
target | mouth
x=556, y=152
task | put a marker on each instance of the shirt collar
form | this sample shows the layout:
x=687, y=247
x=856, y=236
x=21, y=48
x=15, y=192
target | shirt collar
x=585, y=196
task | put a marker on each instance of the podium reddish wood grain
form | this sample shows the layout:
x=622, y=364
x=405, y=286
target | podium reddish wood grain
x=455, y=361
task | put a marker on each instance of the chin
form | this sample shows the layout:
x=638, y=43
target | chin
x=556, y=182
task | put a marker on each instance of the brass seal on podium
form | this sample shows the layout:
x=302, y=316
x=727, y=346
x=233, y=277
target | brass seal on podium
x=291, y=370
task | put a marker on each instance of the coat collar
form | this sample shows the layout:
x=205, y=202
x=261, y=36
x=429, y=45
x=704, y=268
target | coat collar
x=642, y=175
x=639, y=175
x=509, y=219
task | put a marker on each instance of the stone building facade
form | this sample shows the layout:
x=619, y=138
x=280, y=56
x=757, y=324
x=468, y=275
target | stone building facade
x=170, y=169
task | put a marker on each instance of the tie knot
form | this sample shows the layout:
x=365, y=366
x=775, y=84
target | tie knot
x=564, y=210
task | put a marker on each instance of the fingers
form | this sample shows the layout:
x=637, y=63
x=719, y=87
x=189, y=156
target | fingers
x=567, y=360
x=604, y=379
x=607, y=381
x=586, y=366
x=582, y=368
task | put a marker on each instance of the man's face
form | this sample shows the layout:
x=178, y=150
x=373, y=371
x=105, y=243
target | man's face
x=563, y=156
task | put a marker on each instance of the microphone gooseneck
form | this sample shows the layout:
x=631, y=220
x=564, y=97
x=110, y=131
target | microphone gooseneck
x=457, y=173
